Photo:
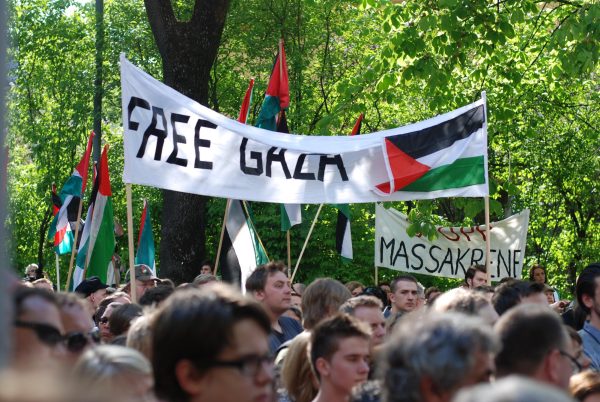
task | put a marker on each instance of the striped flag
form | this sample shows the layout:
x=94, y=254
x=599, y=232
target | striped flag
x=440, y=157
x=291, y=214
x=97, y=244
x=242, y=252
x=343, y=234
x=145, y=245
x=67, y=202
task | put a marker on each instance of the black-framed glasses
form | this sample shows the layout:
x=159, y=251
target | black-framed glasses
x=47, y=334
x=77, y=341
x=249, y=365
x=574, y=363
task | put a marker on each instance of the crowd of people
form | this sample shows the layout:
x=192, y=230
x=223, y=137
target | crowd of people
x=323, y=342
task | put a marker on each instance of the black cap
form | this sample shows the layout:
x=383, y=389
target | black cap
x=90, y=285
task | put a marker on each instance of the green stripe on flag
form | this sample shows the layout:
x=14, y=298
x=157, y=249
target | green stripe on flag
x=461, y=173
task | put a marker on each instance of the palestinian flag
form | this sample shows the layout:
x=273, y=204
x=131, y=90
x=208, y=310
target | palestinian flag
x=343, y=234
x=447, y=155
x=291, y=214
x=67, y=203
x=245, y=109
x=241, y=250
x=277, y=97
x=145, y=245
x=97, y=244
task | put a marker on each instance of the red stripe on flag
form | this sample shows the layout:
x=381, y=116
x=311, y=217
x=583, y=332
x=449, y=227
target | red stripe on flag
x=279, y=83
x=357, y=125
x=142, y=223
x=104, y=188
x=405, y=169
x=84, y=164
x=243, y=116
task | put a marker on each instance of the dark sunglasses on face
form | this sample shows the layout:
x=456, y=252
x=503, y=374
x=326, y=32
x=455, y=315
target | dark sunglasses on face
x=103, y=320
x=77, y=341
x=47, y=334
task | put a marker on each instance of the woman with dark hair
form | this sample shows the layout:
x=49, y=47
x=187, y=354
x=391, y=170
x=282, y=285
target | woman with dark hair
x=537, y=273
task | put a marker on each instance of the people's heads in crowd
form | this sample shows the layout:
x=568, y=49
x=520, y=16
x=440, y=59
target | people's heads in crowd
x=587, y=283
x=297, y=376
x=535, y=344
x=513, y=389
x=537, y=273
x=93, y=290
x=38, y=332
x=430, y=356
x=139, y=336
x=385, y=286
x=270, y=285
x=368, y=309
x=486, y=290
x=122, y=370
x=376, y=291
x=144, y=280
x=227, y=360
x=121, y=317
x=404, y=294
x=466, y=301
x=577, y=348
x=81, y=332
x=431, y=293
x=585, y=386
x=514, y=292
x=355, y=287
x=155, y=296
x=321, y=299
x=118, y=296
x=339, y=355
x=206, y=267
x=43, y=283
x=104, y=322
x=203, y=279
x=32, y=272
x=420, y=295
x=476, y=275
x=549, y=293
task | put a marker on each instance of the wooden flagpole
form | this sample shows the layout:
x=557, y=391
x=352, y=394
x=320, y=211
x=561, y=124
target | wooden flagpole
x=74, y=249
x=132, y=287
x=289, y=251
x=376, y=276
x=312, y=226
x=486, y=200
x=225, y=216
x=57, y=273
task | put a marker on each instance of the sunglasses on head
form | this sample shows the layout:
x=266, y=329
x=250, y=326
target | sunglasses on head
x=77, y=341
x=47, y=334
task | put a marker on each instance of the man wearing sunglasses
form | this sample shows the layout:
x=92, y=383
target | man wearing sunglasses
x=81, y=333
x=38, y=333
x=210, y=344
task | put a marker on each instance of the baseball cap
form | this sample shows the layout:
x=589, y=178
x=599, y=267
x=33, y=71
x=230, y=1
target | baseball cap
x=143, y=273
x=90, y=285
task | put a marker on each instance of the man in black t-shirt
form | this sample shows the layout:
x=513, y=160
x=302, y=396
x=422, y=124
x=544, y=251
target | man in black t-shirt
x=269, y=284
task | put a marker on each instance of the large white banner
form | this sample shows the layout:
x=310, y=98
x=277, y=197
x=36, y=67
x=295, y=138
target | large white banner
x=454, y=250
x=174, y=143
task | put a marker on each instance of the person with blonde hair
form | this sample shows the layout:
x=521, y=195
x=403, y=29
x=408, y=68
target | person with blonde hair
x=297, y=376
x=118, y=368
x=139, y=336
x=585, y=386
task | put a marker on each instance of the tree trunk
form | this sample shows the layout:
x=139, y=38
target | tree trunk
x=188, y=50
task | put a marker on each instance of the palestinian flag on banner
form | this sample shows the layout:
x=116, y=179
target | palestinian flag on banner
x=343, y=234
x=242, y=251
x=145, y=245
x=440, y=157
x=68, y=204
x=97, y=244
x=277, y=97
x=291, y=214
